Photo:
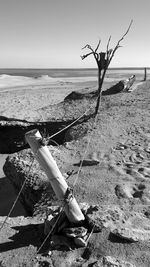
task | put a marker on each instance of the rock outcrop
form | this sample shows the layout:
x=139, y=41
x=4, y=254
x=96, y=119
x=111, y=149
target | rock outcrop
x=37, y=193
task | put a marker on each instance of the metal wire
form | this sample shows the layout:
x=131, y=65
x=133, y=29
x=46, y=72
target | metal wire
x=21, y=189
x=68, y=126
x=88, y=143
x=89, y=140
x=77, y=177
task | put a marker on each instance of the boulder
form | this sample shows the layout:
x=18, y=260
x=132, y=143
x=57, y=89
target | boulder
x=37, y=193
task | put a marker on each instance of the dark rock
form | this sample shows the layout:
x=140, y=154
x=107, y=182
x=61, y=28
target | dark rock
x=37, y=194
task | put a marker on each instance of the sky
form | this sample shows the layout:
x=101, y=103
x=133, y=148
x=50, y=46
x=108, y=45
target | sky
x=51, y=33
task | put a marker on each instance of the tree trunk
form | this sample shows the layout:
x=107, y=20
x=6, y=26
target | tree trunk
x=99, y=91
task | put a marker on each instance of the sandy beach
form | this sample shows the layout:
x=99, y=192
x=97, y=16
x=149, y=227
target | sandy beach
x=120, y=135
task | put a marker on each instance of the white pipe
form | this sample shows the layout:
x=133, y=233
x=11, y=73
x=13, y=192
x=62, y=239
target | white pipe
x=54, y=175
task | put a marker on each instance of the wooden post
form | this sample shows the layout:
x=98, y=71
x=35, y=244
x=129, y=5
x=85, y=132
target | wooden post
x=54, y=175
x=145, y=74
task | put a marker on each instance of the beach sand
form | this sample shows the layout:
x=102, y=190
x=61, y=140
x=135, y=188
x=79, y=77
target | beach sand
x=122, y=131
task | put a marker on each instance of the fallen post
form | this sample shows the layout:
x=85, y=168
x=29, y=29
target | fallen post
x=57, y=181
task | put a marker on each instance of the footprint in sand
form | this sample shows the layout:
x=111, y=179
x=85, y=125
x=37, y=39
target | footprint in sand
x=145, y=171
x=132, y=192
x=132, y=160
x=128, y=190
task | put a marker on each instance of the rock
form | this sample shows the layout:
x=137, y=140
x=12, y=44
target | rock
x=109, y=261
x=60, y=241
x=123, y=191
x=131, y=234
x=103, y=217
x=52, y=214
x=75, y=231
x=52, y=223
x=37, y=194
x=80, y=242
x=120, y=191
x=90, y=160
x=130, y=226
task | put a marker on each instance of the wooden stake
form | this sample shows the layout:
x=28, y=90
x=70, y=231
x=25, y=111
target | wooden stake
x=145, y=74
x=54, y=175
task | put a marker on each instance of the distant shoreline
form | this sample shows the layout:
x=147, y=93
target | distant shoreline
x=67, y=72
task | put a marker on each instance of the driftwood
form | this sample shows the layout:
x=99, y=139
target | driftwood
x=121, y=86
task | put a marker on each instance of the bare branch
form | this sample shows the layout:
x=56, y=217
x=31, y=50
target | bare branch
x=89, y=47
x=125, y=33
x=118, y=43
x=84, y=56
x=93, y=52
x=98, y=46
x=108, y=44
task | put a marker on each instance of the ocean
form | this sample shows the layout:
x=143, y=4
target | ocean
x=60, y=73
x=21, y=77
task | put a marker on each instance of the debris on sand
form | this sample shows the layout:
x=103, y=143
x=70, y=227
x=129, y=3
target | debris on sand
x=121, y=86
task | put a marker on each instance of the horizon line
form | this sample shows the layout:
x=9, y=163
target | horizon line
x=79, y=68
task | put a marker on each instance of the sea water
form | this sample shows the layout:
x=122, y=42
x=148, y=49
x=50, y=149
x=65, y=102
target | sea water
x=18, y=77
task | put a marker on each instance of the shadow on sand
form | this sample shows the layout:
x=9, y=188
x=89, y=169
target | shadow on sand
x=7, y=198
x=26, y=235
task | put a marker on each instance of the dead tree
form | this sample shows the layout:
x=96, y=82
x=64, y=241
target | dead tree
x=103, y=60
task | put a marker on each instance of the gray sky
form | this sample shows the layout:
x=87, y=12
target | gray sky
x=51, y=33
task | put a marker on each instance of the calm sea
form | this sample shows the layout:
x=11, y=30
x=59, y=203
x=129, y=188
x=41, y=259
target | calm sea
x=60, y=73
